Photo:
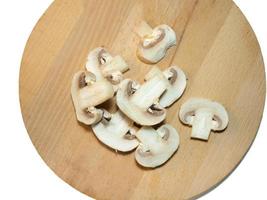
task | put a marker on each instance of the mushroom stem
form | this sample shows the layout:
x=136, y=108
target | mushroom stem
x=155, y=71
x=143, y=29
x=115, y=65
x=95, y=94
x=149, y=92
x=202, y=124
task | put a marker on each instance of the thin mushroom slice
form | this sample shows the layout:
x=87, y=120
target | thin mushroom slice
x=104, y=65
x=176, y=87
x=140, y=102
x=203, y=115
x=87, y=93
x=154, y=42
x=156, y=146
x=117, y=132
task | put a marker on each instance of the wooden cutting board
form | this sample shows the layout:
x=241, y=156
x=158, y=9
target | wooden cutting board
x=218, y=52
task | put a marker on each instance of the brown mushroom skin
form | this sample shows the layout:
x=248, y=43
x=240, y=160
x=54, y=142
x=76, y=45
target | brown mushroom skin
x=102, y=56
x=86, y=78
x=166, y=132
x=129, y=136
x=82, y=83
x=174, y=76
x=156, y=110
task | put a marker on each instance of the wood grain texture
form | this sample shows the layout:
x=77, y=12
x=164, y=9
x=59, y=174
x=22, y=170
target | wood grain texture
x=218, y=52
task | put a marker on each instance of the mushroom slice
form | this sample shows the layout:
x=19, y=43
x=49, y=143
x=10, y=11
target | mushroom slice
x=87, y=93
x=116, y=132
x=176, y=86
x=154, y=43
x=203, y=115
x=156, y=146
x=140, y=103
x=104, y=65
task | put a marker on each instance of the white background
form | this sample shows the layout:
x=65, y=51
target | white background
x=23, y=175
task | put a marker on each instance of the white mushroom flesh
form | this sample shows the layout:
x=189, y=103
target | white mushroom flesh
x=86, y=93
x=202, y=124
x=203, y=115
x=156, y=146
x=117, y=64
x=95, y=94
x=117, y=132
x=149, y=92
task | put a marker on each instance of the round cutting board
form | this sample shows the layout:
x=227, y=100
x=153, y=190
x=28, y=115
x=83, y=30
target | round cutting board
x=217, y=50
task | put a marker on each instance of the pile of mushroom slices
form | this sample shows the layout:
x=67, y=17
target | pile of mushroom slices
x=141, y=104
x=202, y=114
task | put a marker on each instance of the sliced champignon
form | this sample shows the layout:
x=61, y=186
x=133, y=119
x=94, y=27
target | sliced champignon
x=115, y=130
x=203, y=115
x=87, y=93
x=176, y=86
x=156, y=146
x=104, y=65
x=142, y=29
x=140, y=103
x=154, y=43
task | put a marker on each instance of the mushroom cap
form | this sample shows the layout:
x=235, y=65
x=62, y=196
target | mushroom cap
x=176, y=84
x=85, y=97
x=166, y=38
x=220, y=115
x=112, y=133
x=156, y=146
x=137, y=114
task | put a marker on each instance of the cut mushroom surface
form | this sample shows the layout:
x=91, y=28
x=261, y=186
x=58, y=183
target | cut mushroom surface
x=176, y=87
x=116, y=131
x=156, y=146
x=104, y=65
x=203, y=115
x=140, y=102
x=87, y=93
x=154, y=42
